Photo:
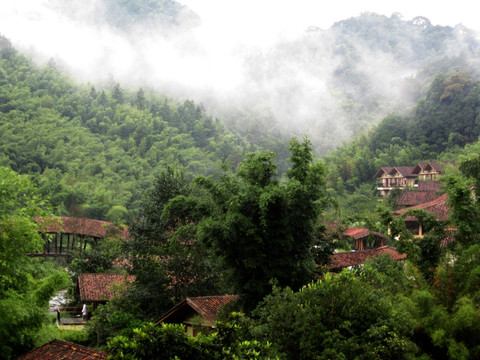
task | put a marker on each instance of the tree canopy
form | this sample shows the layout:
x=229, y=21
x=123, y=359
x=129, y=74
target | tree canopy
x=264, y=228
x=25, y=286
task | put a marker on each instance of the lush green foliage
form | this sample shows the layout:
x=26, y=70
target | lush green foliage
x=230, y=340
x=167, y=261
x=94, y=152
x=442, y=126
x=26, y=285
x=335, y=318
x=263, y=229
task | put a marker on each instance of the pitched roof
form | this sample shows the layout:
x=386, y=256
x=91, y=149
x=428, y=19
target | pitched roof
x=419, y=167
x=99, y=287
x=359, y=233
x=81, y=226
x=346, y=259
x=436, y=166
x=63, y=350
x=437, y=207
x=405, y=171
x=416, y=197
x=206, y=306
x=428, y=186
x=383, y=170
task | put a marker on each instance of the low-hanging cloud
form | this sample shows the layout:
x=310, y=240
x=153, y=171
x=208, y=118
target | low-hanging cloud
x=283, y=71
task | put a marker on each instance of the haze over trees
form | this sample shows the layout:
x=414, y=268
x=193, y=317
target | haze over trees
x=93, y=151
x=230, y=204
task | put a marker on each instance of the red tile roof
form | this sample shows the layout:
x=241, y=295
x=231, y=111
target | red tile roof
x=206, y=306
x=346, y=259
x=99, y=287
x=349, y=231
x=63, y=350
x=437, y=207
x=428, y=186
x=359, y=233
x=416, y=197
x=81, y=226
x=405, y=171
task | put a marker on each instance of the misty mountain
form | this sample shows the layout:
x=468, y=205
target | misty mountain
x=329, y=84
x=333, y=84
x=125, y=14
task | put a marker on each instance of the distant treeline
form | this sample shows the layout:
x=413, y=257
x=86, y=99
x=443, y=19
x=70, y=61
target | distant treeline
x=92, y=151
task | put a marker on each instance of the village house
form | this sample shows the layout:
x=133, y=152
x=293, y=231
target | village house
x=394, y=177
x=197, y=313
x=351, y=259
x=359, y=238
x=403, y=177
x=93, y=289
x=437, y=207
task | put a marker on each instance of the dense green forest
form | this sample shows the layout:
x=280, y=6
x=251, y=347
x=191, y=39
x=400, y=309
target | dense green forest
x=216, y=209
x=95, y=151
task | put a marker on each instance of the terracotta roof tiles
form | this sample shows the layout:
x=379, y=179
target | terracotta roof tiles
x=209, y=306
x=437, y=207
x=346, y=259
x=63, y=350
x=359, y=233
x=206, y=306
x=405, y=171
x=81, y=226
x=416, y=197
x=419, y=167
x=428, y=186
x=99, y=287
x=436, y=166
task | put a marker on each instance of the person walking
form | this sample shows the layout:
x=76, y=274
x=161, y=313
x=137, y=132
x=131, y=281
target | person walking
x=84, y=312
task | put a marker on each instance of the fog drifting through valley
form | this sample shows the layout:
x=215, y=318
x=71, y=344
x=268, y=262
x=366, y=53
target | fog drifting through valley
x=271, y=63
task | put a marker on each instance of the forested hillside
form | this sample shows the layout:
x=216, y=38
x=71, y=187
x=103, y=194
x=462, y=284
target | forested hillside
x=94, y=150
x=444, y=125
x=331, y=84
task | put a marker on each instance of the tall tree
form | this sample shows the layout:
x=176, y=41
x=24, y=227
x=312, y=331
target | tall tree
x=168, y=262
x=265, y=229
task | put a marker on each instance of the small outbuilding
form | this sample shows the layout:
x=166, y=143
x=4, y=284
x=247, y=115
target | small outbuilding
x=99, y=288
x=351, y=259
x=197, y=312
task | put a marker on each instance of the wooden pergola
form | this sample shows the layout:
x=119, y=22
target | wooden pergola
x=66, y=234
